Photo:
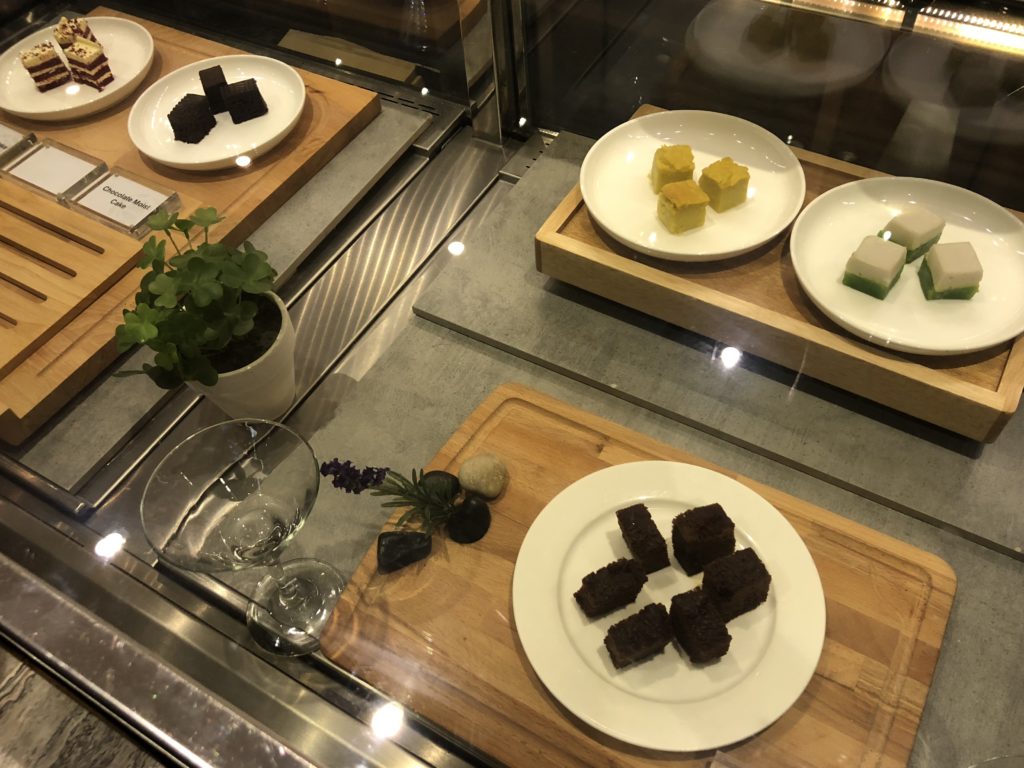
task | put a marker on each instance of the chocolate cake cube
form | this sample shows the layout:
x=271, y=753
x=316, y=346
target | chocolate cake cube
x=736, y=583
x=191, y=118
x=640, y=636
x=699, y=627
x=214, y=83
x=642, y=537
x=244, y=100
x=700, y=535
x=613, y=586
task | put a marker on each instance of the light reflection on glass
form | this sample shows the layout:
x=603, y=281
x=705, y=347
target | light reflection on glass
x=387, y=721
x=424, y=90
x=109, y=545
x=243, y=161
x=456, y=248
x=337, y=62
x=730, y=356
x=72, y=89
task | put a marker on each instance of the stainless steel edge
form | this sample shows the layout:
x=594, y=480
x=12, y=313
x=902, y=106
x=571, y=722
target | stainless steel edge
x=176, y=680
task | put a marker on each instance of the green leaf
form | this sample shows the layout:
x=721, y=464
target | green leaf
x=205, y=217
x=184, y=226
x=163, y=379
x=242, y=327
x=161, y=221
x=152, y=253
x=165, y=288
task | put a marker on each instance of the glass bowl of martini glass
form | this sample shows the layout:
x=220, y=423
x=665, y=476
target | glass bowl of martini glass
x=230, y=497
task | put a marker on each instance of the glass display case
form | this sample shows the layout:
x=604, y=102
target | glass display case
x=455, y=290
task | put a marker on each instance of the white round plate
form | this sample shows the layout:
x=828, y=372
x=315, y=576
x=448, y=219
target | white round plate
x=717, y=41
x=832, y=227
x=617, y=189
x=665, y=703
x=282, y=89
x=128, y=47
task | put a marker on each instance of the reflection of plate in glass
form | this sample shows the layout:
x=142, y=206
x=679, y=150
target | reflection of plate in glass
x=832, y=227
x=665, y=703
x=128, y=47
x=282, y=89
x=617, y=189
x=720, y=42
x=926, y=69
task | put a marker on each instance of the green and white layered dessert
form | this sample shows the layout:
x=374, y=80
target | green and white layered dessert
x=917, y=230
x=950, y=271
x=875, y=266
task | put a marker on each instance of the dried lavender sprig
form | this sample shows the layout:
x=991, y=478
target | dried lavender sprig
x=350, y=478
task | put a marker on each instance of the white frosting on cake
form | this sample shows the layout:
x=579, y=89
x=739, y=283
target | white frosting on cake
x=877, y=260
x=953, y=265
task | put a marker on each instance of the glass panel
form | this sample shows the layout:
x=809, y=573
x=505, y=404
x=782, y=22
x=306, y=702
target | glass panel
x=936, y=91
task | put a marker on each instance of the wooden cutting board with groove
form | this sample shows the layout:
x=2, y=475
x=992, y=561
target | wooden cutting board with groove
x=439, y=636
x=74, y=348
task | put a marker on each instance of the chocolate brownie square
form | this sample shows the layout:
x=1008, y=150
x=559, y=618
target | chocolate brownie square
x=640, y=636
x=699, y=627
x=736, y=583
x=191, y=118
x=700, y=535
x=212, y=79
x=642, y=537
x=613, y=586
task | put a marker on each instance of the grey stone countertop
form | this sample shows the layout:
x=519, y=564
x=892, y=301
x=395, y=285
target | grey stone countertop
x=382, y=414
x=96, y=422
x=495, y=294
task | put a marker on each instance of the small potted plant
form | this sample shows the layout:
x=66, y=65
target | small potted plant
x=209, y=313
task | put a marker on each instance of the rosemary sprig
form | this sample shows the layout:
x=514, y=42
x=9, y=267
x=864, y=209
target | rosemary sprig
x=429, y=506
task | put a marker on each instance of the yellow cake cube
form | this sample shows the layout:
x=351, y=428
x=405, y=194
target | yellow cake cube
x=671, y=163
x=725, y=182
x=681, y=206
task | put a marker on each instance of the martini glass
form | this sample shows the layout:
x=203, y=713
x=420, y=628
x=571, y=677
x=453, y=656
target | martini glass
x=231, y=497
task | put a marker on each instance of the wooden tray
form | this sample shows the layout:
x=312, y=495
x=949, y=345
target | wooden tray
x=755, y=303
x=439, y=636
x=50, y=269
x=334, y=114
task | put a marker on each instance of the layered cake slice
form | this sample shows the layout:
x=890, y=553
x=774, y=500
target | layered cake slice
x=736, y=583
x=244, y=100
x=950, y=271
x=89, y=64
x=672, y=162
x=700, y=535
x=725, y=183
x=214, y=83
x=68, y=31
x=699, y=627
x=191, y=118
x=640, y=636
x=642, y=537
x=613, y=586
x=917, y=230
x=46, y=68
x=875, y=266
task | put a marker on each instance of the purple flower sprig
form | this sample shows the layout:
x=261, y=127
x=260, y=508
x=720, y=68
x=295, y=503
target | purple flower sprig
x=349, y=478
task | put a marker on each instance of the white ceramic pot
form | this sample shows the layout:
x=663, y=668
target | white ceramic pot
x=263, y=389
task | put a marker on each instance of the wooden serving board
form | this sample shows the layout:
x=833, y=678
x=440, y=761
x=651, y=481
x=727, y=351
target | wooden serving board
x=334, y=114
x=50, y=269
x=755, y=303
x=439, y=636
